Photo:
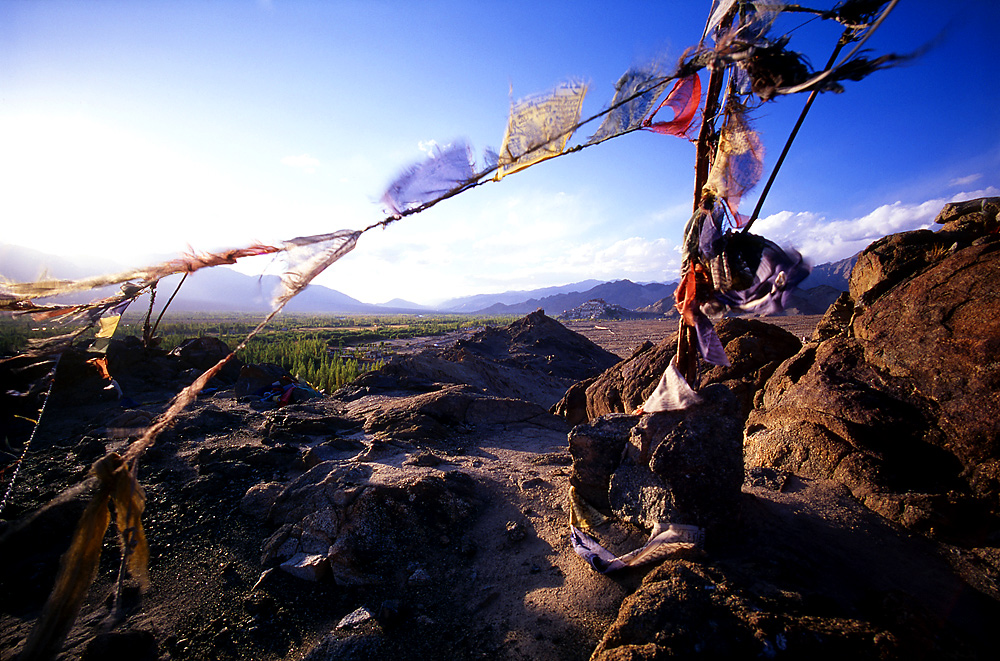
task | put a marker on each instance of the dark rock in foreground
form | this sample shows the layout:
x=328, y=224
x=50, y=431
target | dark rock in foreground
x=683, y=467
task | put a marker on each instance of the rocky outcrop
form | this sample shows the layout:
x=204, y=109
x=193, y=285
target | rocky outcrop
x=754, y=348
x=898, y=394
x=200, y=353
x=333, y=521
x=683, y=467
x=809, y=573
x=534, y=359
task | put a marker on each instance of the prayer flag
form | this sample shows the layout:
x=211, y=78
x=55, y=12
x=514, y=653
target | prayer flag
x=540, y=126
x=683, y=99
x=635, y=93
x=446, y=169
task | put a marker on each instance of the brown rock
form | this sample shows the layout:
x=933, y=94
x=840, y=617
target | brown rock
x=203, y=352
x=939, y=335
x=254, y=377
x=837, y=320
x=969, y=213
x=892, y=259
x=597, y=451
x=903, y=406
x=827, y=414
x=259, y=498
x=683, y=467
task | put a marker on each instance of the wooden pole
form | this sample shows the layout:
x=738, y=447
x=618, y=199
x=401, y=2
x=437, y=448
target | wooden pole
x=687, y=358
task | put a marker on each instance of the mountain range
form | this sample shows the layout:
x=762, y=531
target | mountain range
x=226, y=290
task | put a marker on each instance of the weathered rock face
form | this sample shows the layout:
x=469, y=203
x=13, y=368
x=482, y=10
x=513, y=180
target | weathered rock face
x=754, y=348
x=940, y=332
x=597, y=451
x=681, y=467
x=898, y=396
x=333, y=520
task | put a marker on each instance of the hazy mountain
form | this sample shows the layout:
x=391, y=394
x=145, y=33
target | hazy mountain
x=226, y=290
x=621, y=292
x=26, y=265
x=815, y=300
x=403, y=305
x=482, y=301
x=833, y=274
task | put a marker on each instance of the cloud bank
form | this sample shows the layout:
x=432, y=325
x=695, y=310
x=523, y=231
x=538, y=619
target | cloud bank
x=823, y=240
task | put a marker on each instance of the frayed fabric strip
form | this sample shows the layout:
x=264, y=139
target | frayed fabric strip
x=663, y=542
x=672, y=392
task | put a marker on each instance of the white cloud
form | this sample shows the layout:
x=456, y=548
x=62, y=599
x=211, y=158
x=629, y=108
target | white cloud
x=965, y=181
x=821, y=240
x=304, y=162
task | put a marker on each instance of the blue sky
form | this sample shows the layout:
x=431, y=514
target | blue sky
x=136, y=130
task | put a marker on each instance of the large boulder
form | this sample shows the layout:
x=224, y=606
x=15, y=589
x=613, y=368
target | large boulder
x=898, y=394
x=809, y=573
x=335, y=521
x=683, y=467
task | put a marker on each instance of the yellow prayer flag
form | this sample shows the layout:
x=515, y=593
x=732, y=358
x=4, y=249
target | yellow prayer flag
x=540, y=127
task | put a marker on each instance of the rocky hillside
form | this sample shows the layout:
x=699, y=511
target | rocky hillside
x=846, y=488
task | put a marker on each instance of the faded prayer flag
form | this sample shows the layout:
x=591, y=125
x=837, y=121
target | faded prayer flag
x=307, y=257
x=447, y=168
x=540, y=127
x=739, y=162
x=636, y=91
x=107, y=325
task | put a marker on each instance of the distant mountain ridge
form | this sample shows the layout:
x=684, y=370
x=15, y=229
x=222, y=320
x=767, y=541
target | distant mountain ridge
x=625, y=293
x=832, y=274
x=480, y=302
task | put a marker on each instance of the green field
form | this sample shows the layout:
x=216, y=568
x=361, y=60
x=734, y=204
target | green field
x=326, y=351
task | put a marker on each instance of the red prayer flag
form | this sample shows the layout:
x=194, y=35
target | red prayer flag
x=684, y=99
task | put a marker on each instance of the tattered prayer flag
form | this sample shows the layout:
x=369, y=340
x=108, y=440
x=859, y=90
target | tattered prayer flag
x=672, y=392
x=719, y=10
x=777, y=275
x=308, y=256
x=446, y=169
x=709, y=344
x=683, y=99
x=739, y=162
x=641, y=87
x=540, y=127
x=107, y=325
x=663, y=541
